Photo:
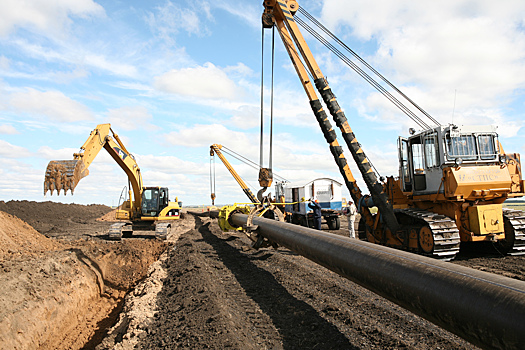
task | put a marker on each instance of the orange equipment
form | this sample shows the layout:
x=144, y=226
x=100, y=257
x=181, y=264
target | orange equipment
x=452, y=179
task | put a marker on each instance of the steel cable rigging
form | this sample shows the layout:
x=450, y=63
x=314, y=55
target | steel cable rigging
x=362, y=73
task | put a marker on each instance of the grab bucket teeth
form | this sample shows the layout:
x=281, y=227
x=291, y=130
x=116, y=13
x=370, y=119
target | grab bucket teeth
x=63, y=175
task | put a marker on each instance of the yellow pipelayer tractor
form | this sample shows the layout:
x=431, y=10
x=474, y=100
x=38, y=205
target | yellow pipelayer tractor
x=452, y=179
x=148, y=208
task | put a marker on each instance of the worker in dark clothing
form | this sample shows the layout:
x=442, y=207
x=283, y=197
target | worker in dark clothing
x=316, y=207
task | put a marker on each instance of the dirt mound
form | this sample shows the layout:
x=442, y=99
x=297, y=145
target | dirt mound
x=17, y=238
x=52, y=218
x=111, y=216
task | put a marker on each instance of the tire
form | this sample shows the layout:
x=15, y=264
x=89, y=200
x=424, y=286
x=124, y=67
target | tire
x=302, y=221
x=334, y=223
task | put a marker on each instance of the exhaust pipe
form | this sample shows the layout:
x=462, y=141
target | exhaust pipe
x=485, y=309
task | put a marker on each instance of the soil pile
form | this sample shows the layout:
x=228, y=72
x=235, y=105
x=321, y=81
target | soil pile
x=57, y=219
x=111, y=216
x=17, y=238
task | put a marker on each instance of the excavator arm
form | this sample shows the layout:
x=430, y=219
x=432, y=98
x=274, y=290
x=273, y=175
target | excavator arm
x=281, y=14
x=216, y=149
x=65, y=174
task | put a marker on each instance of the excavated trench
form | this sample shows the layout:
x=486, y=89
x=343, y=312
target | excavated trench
x=64, y=286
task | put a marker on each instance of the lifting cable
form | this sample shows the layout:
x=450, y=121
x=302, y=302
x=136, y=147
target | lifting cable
x=246, y=161
x=271, y=101
x=292, y=48
x=261, y=143
x=212, y=174
x=362, y=73
x=262, y=103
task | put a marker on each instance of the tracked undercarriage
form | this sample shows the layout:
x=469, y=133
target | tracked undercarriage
x=437, y=236
x=125, y=229
x=423, y=232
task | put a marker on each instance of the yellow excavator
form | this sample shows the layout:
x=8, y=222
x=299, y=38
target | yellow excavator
x=147, y=209
x=452, y=179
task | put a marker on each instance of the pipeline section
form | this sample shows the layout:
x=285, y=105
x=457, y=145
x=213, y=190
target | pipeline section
x=485, y=309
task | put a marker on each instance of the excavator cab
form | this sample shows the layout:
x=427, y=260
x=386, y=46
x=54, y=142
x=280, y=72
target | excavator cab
x=154, y=199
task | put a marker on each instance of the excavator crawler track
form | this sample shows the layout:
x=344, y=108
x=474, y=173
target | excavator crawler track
x=115, y=231
x=444, y=232
x=162, y=230
x=516, y=218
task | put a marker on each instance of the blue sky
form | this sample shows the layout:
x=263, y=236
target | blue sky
x=173, y=77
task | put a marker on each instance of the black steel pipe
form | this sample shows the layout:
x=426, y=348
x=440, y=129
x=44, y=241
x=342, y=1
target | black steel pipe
x=485, y=309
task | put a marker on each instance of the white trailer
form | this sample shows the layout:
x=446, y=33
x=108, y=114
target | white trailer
x=327, y=191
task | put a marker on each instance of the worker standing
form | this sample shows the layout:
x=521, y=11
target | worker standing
x=316, y=207
x=351, y=213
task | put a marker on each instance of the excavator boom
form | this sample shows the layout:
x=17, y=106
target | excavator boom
x=65, y=174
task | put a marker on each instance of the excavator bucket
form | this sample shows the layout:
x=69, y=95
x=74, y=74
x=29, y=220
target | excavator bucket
x=64, y=175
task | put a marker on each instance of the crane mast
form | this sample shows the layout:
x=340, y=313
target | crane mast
x=216, y=149
x=280, y=14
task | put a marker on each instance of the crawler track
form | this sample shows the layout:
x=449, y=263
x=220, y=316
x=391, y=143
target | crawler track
x=444, y=231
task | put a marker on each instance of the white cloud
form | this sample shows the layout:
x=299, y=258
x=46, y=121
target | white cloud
x=4, y=63
x=169, y=165
x=76, y=54
x=205, y=135
x=251, y=14
x=169, y=19
x=245, y=117
x=48, y=153
x=8, y=150
x=68, y=77
x=208, y=82
x=47, y=16
x=432, y=49
x=8, y=129
x=53, y=104
x=130, y=118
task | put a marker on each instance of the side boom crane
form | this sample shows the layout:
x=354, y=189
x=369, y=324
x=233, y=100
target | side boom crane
x=452, y=180
x=216, y=149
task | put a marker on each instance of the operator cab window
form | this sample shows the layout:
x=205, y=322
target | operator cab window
x=471, y=147
x=487, y=149
x=417, y=156
x=463, y=146
x=150, y=199
x=431, y=151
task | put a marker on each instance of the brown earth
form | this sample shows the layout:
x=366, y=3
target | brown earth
x=63, y=292
x=201, y=289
